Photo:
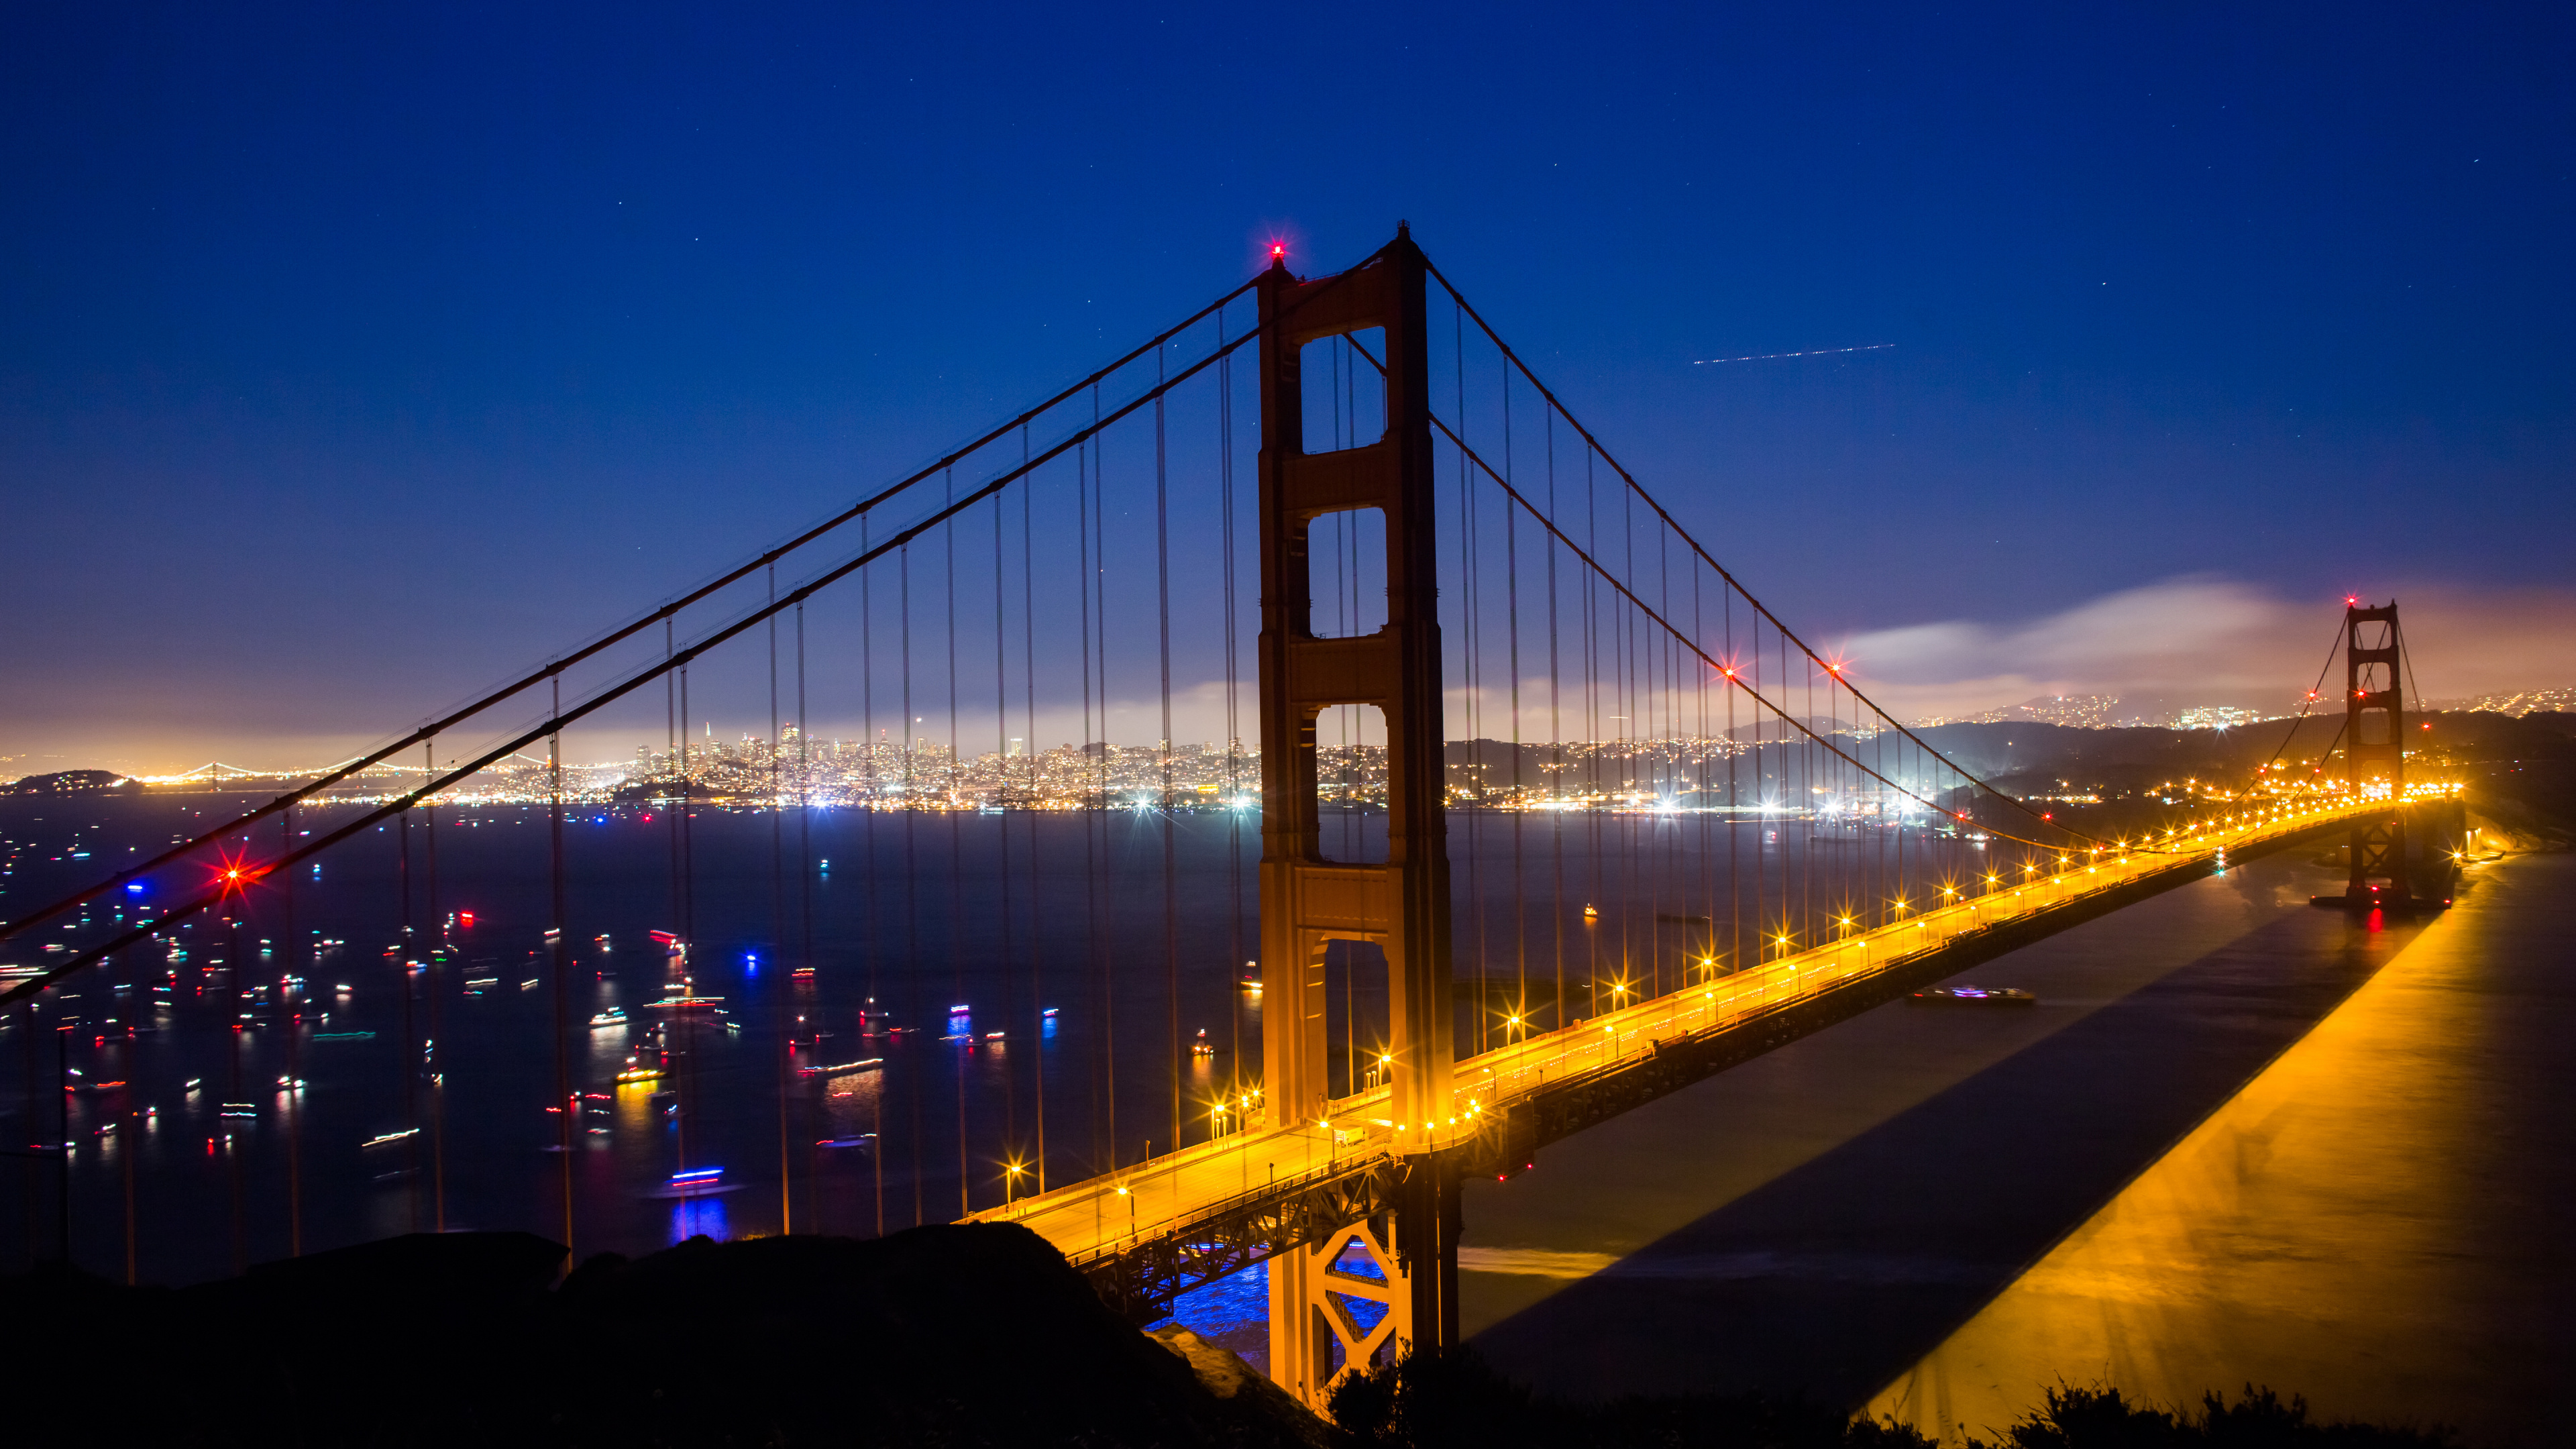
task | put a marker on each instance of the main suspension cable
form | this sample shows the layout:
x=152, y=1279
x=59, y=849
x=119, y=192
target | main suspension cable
x=1709, y=559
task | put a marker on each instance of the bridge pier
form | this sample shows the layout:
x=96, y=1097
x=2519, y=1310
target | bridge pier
x=1404, y=1261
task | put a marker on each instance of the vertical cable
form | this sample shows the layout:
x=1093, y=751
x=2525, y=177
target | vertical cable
x=1092, y=805
x=1029, y=682
x=805, y=881
x=1099, y=583
x=292, y=999
x=567, y=1105
x=786, y=1003
x=1471, y=646
x=868, y=872
x=956, y=848
x=1512, y=657
x=1734, y=801
x=437, y=1016
x=685, y=1100
x=911, y=881
x=411, y=1048
x=1233, y=725
x=1592, y=739
x=1555, y=743
x=1002, y=753
x=1171, y=869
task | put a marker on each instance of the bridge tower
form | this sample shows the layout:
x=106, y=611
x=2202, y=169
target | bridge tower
x=2374, y=742
x=1401, y=904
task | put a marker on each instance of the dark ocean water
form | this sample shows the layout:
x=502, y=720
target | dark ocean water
x=1098, y=946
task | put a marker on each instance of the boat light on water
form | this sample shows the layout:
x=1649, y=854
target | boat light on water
x=834, y=1071
x=696, y=1182
x=613, y=1016
x=1972, y=996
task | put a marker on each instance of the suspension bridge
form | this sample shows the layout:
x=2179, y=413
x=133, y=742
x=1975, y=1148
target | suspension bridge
x=1536, y=813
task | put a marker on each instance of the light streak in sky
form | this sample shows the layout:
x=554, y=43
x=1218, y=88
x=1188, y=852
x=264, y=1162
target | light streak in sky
x=1774, y=356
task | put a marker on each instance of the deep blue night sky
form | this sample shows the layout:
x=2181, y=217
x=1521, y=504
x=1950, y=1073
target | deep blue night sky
x=354, y=355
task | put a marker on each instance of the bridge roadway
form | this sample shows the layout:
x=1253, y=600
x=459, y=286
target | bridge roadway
x=1107, y=1215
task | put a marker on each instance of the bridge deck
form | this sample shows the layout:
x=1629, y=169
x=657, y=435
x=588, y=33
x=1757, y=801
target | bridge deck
x=1112, y=1213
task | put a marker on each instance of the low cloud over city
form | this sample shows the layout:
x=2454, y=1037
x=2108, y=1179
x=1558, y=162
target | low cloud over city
x=2196, y=641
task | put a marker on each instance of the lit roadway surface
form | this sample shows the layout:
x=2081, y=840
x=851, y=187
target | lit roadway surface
x=1103, y=1214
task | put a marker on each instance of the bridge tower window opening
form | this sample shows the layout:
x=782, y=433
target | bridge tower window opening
x=1346, y=573
x=1350, y=784
x=1345, y=390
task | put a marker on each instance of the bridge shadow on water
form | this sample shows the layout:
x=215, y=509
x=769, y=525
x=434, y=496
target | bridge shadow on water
x=1835, y=1276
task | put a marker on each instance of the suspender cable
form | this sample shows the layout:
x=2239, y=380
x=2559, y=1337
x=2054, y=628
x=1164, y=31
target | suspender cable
x=911, y=885
x=291, y=1002
x=1734, y=808
x=1002, y=753
x=1029, y=683
x=1512, y=656
x=958, y=1051
x=686, y=815
x=567, y=1103
x=1091, y=806
x=1556, y=750
x=403, y=964
x=1170, y=807
x=868, y=871
x=786, y=1000
x=1592, y=737
x=437, y=1018
x=1233, y=727
x=805, y=886
x=1097, y=582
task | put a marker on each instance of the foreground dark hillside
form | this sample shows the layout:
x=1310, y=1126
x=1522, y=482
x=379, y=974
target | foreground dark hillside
x=965, y=1335
x=961, y=1336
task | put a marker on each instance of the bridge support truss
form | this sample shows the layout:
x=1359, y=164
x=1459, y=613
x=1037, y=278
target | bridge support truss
x=1401, y=904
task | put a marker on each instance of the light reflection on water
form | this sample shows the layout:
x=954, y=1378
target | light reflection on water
x=2369, y=1222
x=1233, y=1312
x=695, y=1216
